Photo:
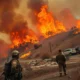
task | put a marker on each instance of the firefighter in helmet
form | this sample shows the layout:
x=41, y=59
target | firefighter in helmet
x=13, y=69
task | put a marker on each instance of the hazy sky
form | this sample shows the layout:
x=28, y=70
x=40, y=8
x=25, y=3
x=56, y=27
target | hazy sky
x=56, y=6
x=73, y=5
x=5, y=38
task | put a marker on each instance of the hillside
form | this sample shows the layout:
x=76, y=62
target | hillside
x=50, y=46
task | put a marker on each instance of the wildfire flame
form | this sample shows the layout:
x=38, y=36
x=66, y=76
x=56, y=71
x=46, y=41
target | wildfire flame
x=25, y=55
x=77, y=27
x=47, y=25
x=78, y=24
x=23, y=36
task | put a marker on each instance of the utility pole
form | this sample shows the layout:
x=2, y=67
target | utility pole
x=50, y=47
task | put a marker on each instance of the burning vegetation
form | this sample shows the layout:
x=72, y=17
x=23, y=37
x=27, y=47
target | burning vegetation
x=25, y=55
x=22, y=34
x=78, y=25
x=76, y=28
x=47, y=25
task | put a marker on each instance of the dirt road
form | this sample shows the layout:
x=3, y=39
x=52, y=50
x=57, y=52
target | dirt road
x=51, y=72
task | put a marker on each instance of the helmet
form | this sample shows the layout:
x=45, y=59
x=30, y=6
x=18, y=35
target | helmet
x=15, y=54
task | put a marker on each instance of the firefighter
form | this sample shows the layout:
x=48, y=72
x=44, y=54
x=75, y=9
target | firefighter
x=61, y=60
x=13, y=69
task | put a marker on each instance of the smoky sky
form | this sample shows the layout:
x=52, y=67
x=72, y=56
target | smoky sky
x=35, y=5
x=58, y=5
x=7, y=13
x=21, y=29
x=74, y=6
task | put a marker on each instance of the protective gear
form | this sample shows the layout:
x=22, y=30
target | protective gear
x=7, y=71
x=16, y=70
x=13, y=69
x=14, y=64
x=15, y=54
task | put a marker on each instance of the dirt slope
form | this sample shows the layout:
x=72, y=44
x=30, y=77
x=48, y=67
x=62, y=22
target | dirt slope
x=51, y=45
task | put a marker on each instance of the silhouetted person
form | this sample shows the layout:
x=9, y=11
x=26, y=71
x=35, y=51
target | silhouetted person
x=61, y=60
x=13, y=69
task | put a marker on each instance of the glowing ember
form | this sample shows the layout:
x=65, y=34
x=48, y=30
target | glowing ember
x=47, y=25
x=25, y=55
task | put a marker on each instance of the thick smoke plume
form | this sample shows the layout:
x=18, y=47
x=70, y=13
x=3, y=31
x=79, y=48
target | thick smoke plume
x=7, y=14
x=34, y=6
x=20, y=31
x=9, y=22
x=67, y=11
x=3, y=49
x=58, y=5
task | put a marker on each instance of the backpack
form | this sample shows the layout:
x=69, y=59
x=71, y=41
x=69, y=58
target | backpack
x=11, y=72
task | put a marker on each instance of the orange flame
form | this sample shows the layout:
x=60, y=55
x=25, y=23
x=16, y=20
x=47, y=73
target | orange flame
x=25, y=55
x=23, y=36
x=77, y=27
x=78, y=24
x=47, y=25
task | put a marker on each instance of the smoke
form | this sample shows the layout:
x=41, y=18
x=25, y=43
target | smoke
x=58, y=5
x=7, y=14
x=28, y=8
x=4, y=45
x=7, y=18
x=34, y=6
x=20, y=31
x=3, y=49
x=5, y=37
x=67, y=11
x=7, y=7
x=8, y=21
x=75, y=7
